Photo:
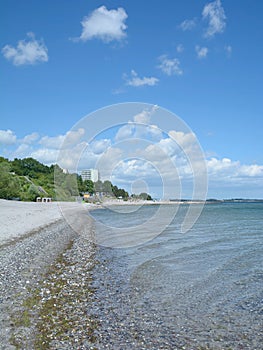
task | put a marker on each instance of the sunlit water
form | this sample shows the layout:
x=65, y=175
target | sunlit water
x=202, y=289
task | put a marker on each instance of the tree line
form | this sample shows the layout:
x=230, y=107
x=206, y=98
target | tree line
x=26, y=179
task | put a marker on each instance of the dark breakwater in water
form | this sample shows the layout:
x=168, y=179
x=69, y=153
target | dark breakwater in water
x=199, y=290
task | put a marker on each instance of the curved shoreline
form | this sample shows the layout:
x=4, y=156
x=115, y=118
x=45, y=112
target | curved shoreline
x=27, y=259
x=20, y=219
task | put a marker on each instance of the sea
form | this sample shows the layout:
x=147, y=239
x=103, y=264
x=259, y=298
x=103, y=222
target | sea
x=170, y=289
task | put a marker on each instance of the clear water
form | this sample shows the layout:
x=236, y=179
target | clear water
x=199, y=290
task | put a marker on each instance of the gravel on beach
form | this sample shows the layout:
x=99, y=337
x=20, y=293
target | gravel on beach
x=44, y=277
x=49, y=298
x=60, y=291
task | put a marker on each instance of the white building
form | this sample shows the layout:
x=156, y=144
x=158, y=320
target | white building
x=90, y=174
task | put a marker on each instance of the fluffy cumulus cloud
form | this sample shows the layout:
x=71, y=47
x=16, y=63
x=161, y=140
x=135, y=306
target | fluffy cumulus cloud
x=73, y=137
x=133, y=129
x=201, y=51
x=100, y=146
x=136, y=81
x=108, y=161
x=29, y=51
x=104, y=24
x=28, y=139
x=53, y=142
x=45, y=155
x=7, y=137
x=145, y=115
x=70, y=157
x=135, y=169
x=174, y=157
x=187, y=24
x=228, y=170
x=146, y=154
x=170, y=66
x=125, y=132
x=70, y=138
x=214, y=13
x=183, y=139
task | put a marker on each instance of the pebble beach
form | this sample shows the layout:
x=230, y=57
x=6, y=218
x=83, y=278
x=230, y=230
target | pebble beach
x=59, y=290
x=45, y=267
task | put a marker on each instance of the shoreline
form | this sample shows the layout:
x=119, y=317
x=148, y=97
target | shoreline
x=21, y=219
x=58, y=290
x=39, y=264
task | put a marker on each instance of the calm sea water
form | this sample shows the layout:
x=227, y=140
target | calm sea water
x=198, y=290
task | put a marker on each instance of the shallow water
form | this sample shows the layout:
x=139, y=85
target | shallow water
x=202, y=289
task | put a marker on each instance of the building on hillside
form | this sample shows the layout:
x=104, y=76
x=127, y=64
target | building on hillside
x=90, y=174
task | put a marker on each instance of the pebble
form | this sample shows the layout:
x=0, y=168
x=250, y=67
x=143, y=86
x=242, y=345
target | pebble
x=92, y=304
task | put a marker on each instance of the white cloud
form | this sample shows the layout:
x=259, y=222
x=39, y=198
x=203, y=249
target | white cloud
x=135, y=169
x=155, y=153
x=67, y=140
x=201, y=51
x=227, y=170
x=253, y=170
x=188, y=24
x=145, y=115
x=109, y=161
x=184, y=140
x=170, y=66
x=136, y=81
x=215, y=14
x=125, y=132
x=107, y=25
x=100, y=146
x=45, y=155
x=133, y=130
x=28, y=139
x=168, y=146
x=26, y=52
x=154, y=131
x=70, y=157
x=73, y=137
x=53, y=142
x=179, y=48
x=7, y=137
x=22, y=151
x=174, y=158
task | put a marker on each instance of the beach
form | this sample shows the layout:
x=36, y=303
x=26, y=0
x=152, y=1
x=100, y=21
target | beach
x=34, y=241
x=200, y=290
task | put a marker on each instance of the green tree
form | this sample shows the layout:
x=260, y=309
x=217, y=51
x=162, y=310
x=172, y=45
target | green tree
x=9, y=186
x=29, y=167
x=89, y=186
x=145, y=196
x=107, y=187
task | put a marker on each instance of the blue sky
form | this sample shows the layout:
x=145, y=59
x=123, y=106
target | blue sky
x=201, y=60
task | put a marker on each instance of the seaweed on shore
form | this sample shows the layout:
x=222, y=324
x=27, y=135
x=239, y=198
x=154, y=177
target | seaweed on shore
x=56, y=309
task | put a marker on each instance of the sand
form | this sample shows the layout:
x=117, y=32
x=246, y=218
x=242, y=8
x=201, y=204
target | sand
x=20, y=218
